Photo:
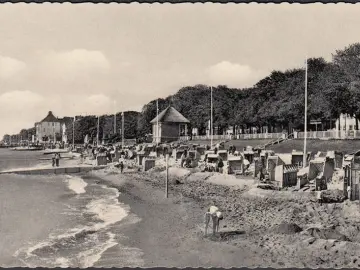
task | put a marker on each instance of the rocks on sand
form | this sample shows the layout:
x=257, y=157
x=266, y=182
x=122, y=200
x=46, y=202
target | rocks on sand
x=333, y=196
x=287, y=228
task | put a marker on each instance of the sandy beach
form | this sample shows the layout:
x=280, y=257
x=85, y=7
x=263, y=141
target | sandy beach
x=261, y=227
x=170, y=232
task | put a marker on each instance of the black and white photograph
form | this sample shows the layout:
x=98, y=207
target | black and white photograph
x=179, y=135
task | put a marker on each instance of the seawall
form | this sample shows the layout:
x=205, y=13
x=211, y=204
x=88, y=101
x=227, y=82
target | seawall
x=59, y=170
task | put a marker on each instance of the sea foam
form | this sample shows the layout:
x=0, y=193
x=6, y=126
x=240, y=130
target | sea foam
x=76, y=184
x=106, y=210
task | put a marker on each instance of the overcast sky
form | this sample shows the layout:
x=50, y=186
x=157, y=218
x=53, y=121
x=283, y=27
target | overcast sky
x=79, y=59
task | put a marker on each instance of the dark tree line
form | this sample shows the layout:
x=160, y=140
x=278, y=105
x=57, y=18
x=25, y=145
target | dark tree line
x=278, y=100
x=88, y=125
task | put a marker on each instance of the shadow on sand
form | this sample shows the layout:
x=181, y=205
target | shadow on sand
x=226, y=236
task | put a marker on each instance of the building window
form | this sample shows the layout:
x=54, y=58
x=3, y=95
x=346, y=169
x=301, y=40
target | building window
x=350, y=127
x=44, y=129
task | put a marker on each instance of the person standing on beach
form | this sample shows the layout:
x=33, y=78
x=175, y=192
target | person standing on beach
x=57, y=159
x=121, y=166
x=183, y=158
x=215, y=214
x=246, y=165
x=318, y=196
x=53, y=160
x=220, y=165
x=82, y=157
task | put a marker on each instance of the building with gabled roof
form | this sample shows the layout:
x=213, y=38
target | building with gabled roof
x=172, y=125
x=48, y=129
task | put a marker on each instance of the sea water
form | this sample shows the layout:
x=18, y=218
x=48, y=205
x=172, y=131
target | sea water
x=59, y=220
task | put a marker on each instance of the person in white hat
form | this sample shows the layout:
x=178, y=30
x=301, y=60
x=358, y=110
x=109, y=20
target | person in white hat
x=214, y=213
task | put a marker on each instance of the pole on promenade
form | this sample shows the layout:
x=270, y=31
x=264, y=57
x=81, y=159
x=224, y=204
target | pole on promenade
x=114, y=117
x=73, y=133
x=211, y=121
x=167, y=177
x=305, y=124
x=98, y=130
x=157, y=121
x=122, y=130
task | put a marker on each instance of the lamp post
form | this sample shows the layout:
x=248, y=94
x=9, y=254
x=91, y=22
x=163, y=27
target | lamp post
x=305, y=124
x=157, y=120
x=97, y=134
x=73, y=133
x=211, y=121
x=122, y=130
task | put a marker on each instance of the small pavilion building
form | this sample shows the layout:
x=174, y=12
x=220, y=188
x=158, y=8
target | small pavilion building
x=169, y=126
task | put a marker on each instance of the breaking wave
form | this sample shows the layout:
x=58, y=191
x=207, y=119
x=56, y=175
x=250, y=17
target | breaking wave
x=81, y=246
x=76, y=184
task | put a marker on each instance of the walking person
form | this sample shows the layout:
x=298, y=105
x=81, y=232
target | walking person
x=214, y=214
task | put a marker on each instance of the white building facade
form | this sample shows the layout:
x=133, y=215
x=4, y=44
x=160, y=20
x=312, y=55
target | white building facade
x=346, y=123
x=49, y=129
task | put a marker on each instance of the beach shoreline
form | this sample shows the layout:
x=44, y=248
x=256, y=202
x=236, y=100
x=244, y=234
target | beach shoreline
x=170, y=230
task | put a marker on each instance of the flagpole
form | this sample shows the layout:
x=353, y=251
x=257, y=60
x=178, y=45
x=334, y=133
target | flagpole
x=157, y=121
x=122, y=130
x=73, y=139
x=305, y=124
x=211, y=121
x=114, y=117
x=97, y=135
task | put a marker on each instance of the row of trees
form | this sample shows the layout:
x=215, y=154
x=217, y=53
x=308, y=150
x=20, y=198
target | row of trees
x=88, y=125
x=24, y=134
x=276, y=101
